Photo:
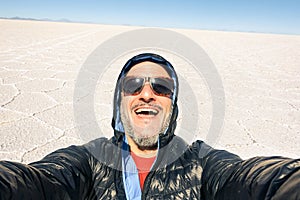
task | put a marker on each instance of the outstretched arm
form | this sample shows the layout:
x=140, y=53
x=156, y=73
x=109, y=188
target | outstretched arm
x=226, y=176
x=64, y=174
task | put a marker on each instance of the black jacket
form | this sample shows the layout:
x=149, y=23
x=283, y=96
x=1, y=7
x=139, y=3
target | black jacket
x=201, y=172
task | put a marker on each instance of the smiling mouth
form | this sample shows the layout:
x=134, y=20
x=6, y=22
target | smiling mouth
x=146, y=112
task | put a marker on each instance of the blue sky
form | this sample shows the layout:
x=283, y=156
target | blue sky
x=268, y=16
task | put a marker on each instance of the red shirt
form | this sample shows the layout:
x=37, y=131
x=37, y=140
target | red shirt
x=143, y=165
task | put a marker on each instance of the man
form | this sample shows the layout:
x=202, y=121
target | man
x=144, y=159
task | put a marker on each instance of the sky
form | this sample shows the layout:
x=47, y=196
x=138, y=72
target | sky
x=264, y=16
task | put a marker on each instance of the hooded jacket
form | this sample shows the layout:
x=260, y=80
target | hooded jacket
x=181, y=171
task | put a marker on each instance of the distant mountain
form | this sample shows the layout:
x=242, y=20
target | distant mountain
x=34, y=19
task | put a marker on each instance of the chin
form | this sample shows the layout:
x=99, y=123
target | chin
x=146, y=143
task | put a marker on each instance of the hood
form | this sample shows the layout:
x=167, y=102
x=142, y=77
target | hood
x=116, y=120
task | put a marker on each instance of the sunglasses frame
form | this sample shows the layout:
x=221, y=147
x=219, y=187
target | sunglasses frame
x=152, y=82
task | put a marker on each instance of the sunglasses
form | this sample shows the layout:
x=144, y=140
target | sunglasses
x=160, y=86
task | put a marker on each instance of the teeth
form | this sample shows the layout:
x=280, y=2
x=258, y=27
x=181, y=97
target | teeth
x=146, y=111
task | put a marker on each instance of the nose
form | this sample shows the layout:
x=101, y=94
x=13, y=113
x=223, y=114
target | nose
x=147, y=95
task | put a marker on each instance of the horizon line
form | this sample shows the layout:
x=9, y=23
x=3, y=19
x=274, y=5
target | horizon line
x=64, y=20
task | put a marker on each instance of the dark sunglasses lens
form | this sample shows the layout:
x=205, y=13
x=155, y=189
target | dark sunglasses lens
x=132, y=86
x=163, y=86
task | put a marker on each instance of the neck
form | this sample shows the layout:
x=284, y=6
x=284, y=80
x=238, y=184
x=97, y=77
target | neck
x=136, y=150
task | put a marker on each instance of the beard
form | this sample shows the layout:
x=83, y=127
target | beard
x=148, y=140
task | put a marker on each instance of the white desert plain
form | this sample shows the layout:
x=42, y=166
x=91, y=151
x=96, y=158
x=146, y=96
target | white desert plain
x=40, y=62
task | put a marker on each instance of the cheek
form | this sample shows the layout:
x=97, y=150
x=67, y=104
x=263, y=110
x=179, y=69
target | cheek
x=168, y=111
x=167, y=105
x=166, y=102
x=126, y=104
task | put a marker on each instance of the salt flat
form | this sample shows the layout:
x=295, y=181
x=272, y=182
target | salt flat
x=40, y=62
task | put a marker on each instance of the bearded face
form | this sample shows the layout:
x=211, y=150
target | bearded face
x=146, y=108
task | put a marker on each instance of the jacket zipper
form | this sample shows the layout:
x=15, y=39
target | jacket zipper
x=147, y=184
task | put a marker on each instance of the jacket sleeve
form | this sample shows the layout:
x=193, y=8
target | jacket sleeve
x=226, y=176
x=63, y=174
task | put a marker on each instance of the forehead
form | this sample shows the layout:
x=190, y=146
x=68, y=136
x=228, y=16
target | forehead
x=148, y=69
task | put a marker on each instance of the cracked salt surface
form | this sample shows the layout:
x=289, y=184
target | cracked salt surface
x=39, y=85
x=8, y=93
x=30, y=103
x=60, y=116
x=7, y=115
x=26, y=136
x=38, y=70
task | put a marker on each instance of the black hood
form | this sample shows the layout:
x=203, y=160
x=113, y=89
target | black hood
x=116, y=121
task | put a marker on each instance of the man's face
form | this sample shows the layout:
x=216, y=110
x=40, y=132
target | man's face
x=145, y=114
